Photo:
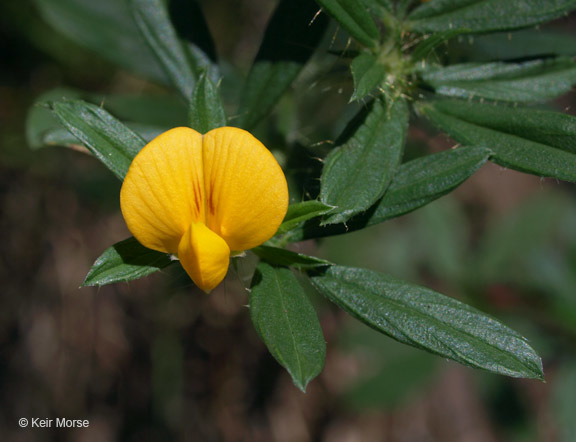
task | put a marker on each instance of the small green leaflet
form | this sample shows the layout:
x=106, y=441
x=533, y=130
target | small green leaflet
x=287, y=323
x=417, y=183
x=125, y=261
x=357, y=173
x=515, y=148
x=480, y=16
x=107, y=138
x=532, y=81
x=206, y=109
x=367, y=73
x=354, y=18
x=430, y=321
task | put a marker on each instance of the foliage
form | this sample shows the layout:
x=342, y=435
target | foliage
x=400, y=75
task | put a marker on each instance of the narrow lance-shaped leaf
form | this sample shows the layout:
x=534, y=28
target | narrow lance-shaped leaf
x=430, y=321
x=417, y=183
x=354, y=18
x=531, y=81
x=287, y=323
x=515, y=151
x=282, y=257
x=107, y=138
x=125, y=261
x=155, y=27
x=367, y=73
x=357, y=173
x=290, y=38
x=206, y=109
x=485, y=15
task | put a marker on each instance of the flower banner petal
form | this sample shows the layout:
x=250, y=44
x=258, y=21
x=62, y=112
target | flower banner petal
x=204, y=255
x=160, y=198
x=247, y=194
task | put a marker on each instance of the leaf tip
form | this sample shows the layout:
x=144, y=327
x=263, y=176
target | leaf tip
x=300, y=385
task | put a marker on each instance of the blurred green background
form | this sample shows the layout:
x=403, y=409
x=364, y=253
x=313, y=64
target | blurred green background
x=157, y=360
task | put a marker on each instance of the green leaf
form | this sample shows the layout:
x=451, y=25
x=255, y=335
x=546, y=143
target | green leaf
x=107, y=138
x=282, y=257
x=430, y=321
x=354, y=18
x=59, y=136
x=287, y=323
x=357, y=173
x=300, y=212
x=485, y=15
x=106, y=27
x=155, y=27
x=206, y=109
x=367, y=73
x=517, y=149
x=417, y=183
x=147, y=115
x=125, y=261
x=551, y=128
x=290, y=38
x=531, y=81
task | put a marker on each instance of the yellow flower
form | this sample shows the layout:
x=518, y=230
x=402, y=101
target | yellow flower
x=201, y=197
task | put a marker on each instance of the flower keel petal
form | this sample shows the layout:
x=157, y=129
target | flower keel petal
x=204, y=255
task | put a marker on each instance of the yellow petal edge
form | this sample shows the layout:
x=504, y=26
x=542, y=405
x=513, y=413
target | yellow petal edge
x=201, y=197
